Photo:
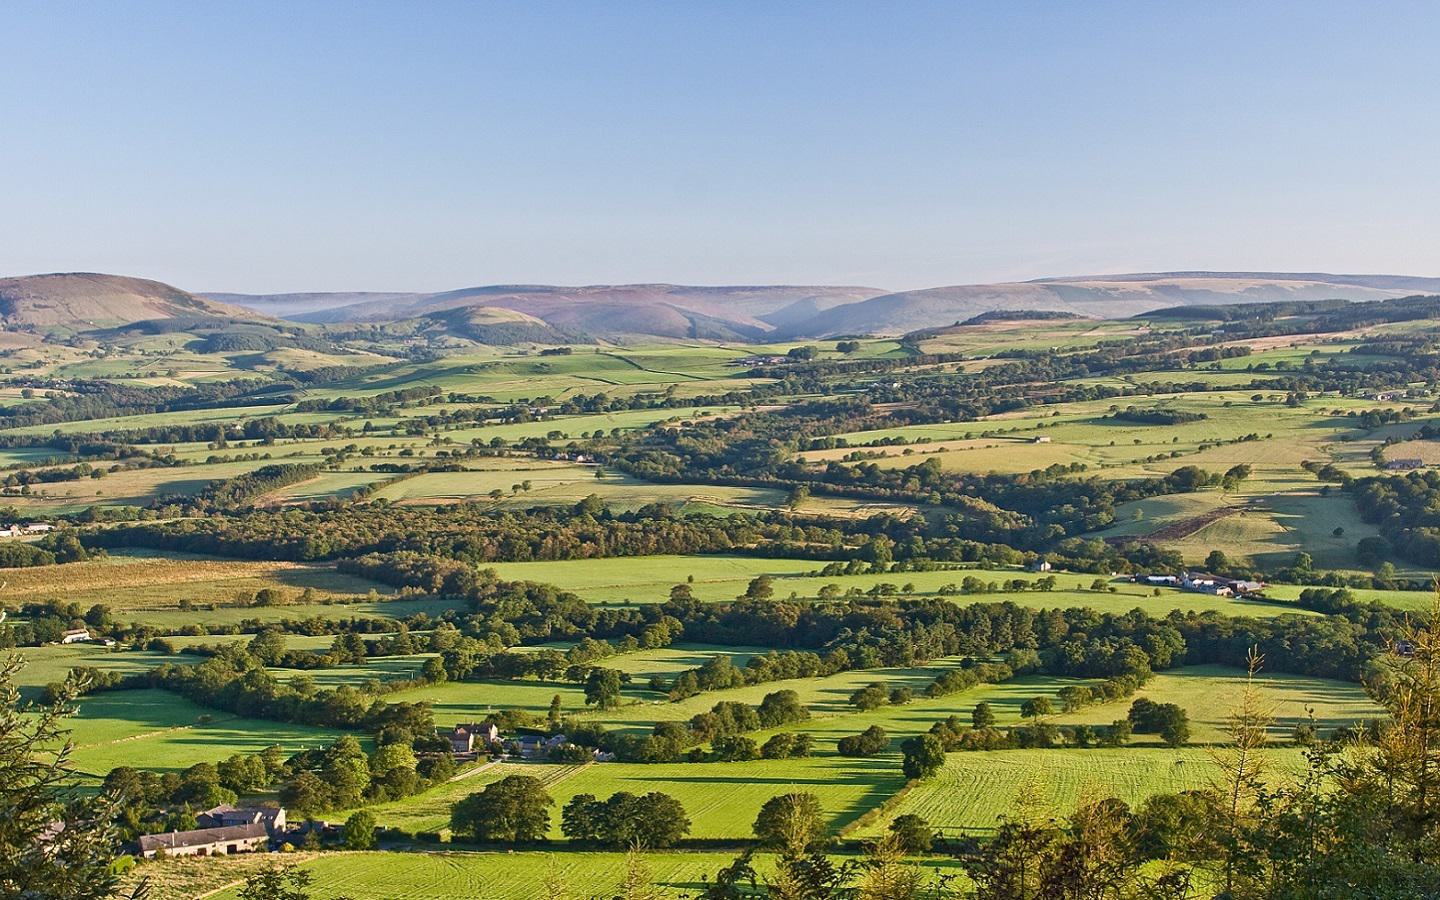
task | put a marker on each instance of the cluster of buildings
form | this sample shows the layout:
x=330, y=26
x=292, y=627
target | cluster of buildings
x=1404, y=463
x=759, y=360
x=469, y=741
x=223, y=830
x=28, y=528
x=80, y=636
x=1202, y=583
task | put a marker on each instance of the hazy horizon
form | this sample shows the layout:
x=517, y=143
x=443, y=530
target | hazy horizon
x=266, y=148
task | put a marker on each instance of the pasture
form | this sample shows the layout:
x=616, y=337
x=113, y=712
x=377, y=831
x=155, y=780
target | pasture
x=158, y=730
x=492, y=875
x=1210, y=693
x=648, y=579
x=974, y=789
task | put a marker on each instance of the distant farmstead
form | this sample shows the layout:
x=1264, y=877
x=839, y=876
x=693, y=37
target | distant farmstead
x=225, y=830
x=1408, y=462
x=468, y=738
x=1204, y=583
x=206, y=841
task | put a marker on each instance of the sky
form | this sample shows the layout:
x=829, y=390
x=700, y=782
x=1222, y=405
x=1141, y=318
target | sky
x=267, y=147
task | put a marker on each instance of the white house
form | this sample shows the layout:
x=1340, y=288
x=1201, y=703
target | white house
x=75, y=636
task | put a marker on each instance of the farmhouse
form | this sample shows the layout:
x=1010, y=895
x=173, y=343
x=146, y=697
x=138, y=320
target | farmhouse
x=1206, y=584
x=75, y=636
x=1203, y=583
x=207, y=841
x=1408, y=462
x=531, y=746
x=464, y=737
x=1041, y=565
x=1040, y=439
x=225, y=815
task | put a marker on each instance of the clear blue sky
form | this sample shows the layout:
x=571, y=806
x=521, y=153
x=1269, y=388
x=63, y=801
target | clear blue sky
x=339, y=146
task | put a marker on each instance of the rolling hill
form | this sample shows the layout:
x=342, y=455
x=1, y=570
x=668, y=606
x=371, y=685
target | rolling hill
x=88, y=300
x=660, y=310
x=507, y=314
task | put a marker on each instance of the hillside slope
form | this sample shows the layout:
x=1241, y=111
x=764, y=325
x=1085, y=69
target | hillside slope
x=86, y=300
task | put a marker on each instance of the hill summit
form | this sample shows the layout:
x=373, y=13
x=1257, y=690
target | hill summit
x=87, y=299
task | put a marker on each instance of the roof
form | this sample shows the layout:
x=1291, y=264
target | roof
x=173, y=840
x=254, y=813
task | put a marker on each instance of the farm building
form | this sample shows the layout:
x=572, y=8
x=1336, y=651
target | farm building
x=207, y=841
x=1040, y=439
x=1206, y=584
x=464, y=737
x=272, y=817
x=75, y=636
x=1171, y=580
x=1408, y=462
x=1041, y=565
x=530, y=746
x=1203, y=583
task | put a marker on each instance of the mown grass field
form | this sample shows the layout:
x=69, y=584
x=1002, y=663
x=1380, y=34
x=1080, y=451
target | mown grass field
x=974, y=789
x=1209, y=694
x=491, y=875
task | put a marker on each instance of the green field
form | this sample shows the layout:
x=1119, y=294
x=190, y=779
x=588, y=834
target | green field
x=423, y=876
x=648, y=579
x=974, y=789
x=1209, y=694
x=159, y=730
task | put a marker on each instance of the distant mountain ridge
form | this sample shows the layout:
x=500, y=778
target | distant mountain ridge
x=1100, y=296
x=729, y=312
x=517, y=313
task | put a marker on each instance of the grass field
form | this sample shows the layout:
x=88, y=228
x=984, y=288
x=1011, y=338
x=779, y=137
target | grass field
x=159, y=730
x=51, y=663
x=648, y=579
x=849, y=787
x=422, y=876
x=974, y=789
x=1209, y=694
